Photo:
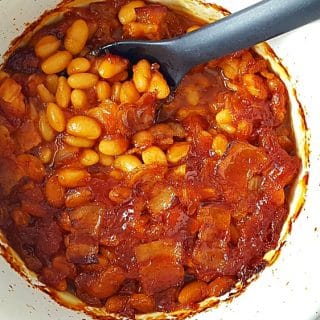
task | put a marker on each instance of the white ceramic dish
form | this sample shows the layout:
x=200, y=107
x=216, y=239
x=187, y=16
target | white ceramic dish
x=289, y=288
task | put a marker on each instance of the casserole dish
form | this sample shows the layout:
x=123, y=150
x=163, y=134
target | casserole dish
x=302, y=147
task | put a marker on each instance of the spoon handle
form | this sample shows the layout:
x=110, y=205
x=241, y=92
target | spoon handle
x=257, y=23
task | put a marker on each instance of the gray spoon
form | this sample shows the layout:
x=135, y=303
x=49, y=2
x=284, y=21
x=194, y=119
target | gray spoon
x=257, y=23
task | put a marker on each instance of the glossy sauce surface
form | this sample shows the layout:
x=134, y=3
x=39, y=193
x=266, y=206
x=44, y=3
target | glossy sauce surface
x=130, y=200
